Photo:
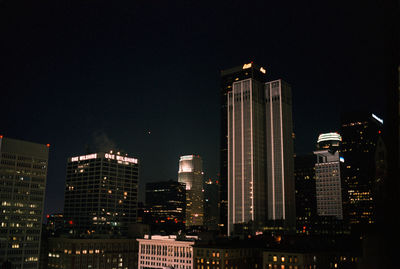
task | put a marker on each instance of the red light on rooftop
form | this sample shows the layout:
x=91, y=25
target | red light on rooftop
x=1, y=136
x=378, y=133
x=70, y=222
x=48, y=145
x=47, y=216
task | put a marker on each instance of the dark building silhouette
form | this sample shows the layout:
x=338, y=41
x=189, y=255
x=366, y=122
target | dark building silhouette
x=165, y=206
x=228, y=77
x=306, y=204
x=360, y=132
x=211, y=198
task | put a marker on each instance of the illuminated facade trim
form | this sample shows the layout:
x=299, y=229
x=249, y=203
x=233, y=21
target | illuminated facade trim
x=329, y=137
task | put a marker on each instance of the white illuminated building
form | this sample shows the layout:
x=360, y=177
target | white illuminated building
x=279, y=158
x=246, y=154
x=165, y=252
x=191, y=174
x=260, y=154
x=327, y=171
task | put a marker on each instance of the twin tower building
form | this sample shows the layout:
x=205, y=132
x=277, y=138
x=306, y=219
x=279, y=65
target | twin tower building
x=257, y=179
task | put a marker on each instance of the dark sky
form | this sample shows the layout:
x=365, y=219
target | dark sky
x=87, y=74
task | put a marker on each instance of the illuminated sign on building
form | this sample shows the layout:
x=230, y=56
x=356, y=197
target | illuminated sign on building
x=245, y=66
x=120, y=158
x=329, y=137
x=377, y=118
x=84, y=157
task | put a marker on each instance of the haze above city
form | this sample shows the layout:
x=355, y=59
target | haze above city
x=144, y=78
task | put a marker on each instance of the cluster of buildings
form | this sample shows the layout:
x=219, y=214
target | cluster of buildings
x=262, y=211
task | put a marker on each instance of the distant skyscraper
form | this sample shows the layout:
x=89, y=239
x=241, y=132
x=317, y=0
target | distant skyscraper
x=328, y=180
x=101, y=192
x=279, y=147
x=166, y=203
x=228, y=77
x=246, y=154
x=191, y=174
x=360, y=132
x=23, y=171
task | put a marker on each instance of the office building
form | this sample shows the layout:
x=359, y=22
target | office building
x=360, y=132
x=279, y=157
x=166, y=252
x=101, y=193
x=228, y=77
x=327, y=173
x=165, y=206
x=191, y=174
x=23, y=171
x=246, y=154
x=306, y=204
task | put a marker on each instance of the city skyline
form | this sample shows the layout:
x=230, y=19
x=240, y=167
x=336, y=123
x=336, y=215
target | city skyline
x=94, y=91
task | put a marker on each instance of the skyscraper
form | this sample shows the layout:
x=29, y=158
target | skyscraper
x=279, y=147
x=101, y=192
x=360, y=132
x=246, y=154
x=23, y=171
x=191, y=174
x=228, y=77
x=328, y=180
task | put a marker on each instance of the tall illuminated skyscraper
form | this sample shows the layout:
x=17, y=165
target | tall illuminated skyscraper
x=328, y=182
x=246, y=154
x=191, y=174
x=23, y=171
x=101, y=192
x=279, y=157
x=228, y=77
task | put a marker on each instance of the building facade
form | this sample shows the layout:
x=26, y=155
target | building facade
x=279, y=157
x=165, y=205
x=228, y=77
x=78, y=253
x=221, y=256
x=246, y=154
x=101, y=193
x=191, y=174
x=329, y=187
x=360, y=132
x=23, y=172
x=165, y=252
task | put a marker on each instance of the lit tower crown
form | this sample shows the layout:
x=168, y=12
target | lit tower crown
x=191, y=174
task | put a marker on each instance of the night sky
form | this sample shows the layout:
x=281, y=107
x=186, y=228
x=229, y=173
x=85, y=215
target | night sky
x=91, y=75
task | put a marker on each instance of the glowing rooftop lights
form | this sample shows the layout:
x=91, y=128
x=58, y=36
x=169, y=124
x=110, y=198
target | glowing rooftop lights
x=263, y=70
x=245, y=66
x=329, y=137
x=187, y=158
x=107, y=156
x=377, y=118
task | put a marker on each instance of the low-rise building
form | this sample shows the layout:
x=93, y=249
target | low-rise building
x=94, y=253
x=166, y=252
